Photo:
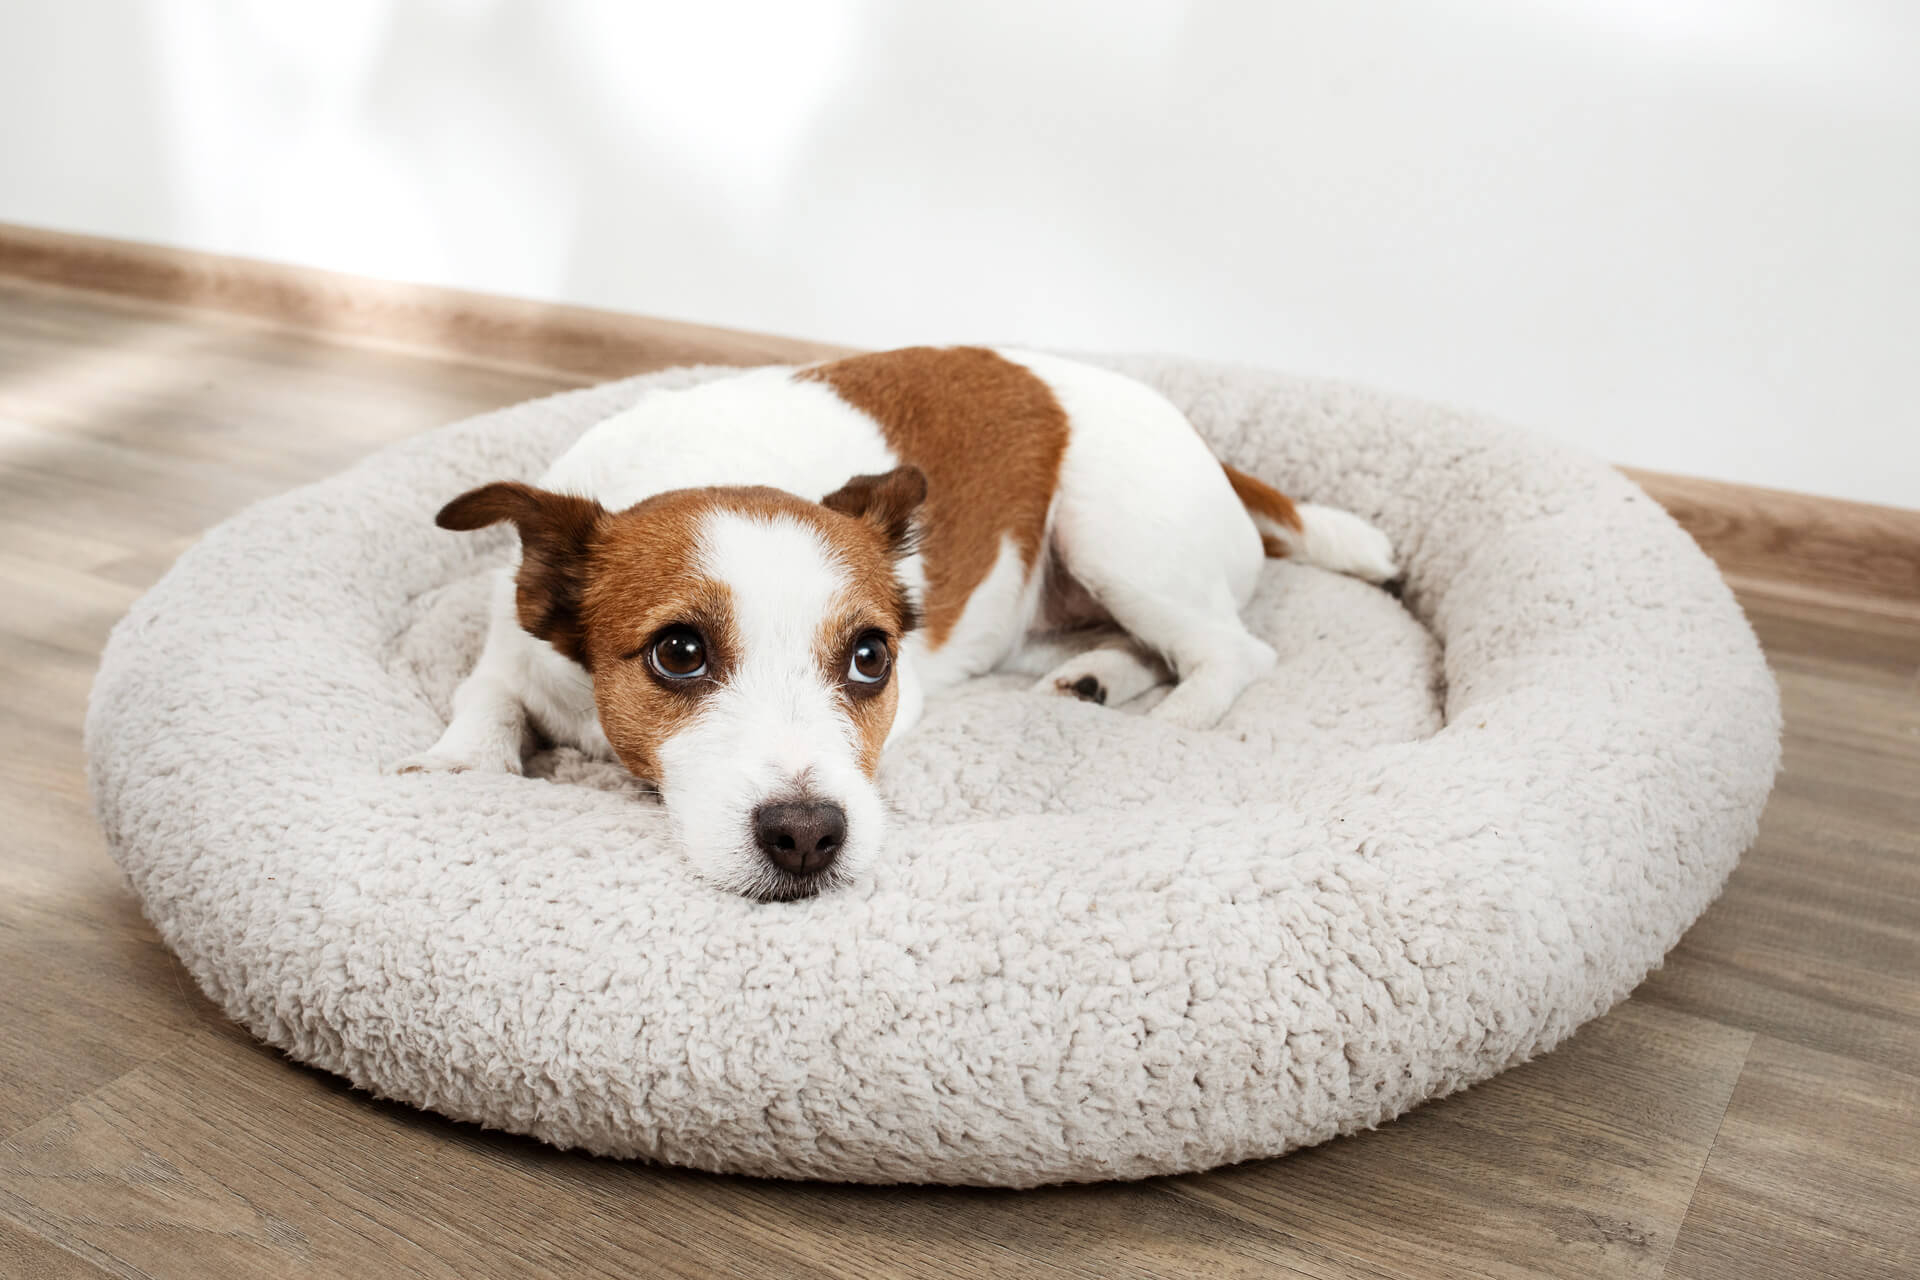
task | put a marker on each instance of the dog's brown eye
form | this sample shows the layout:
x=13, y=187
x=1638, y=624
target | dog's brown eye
x=870, y=661
x=679, y=654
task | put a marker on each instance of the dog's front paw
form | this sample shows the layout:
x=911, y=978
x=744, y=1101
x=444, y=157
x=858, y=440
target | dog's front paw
x=437, y=761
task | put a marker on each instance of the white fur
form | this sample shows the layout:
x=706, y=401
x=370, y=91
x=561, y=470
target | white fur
x=758, y=427
x=1336, y=540
x=1143, y=518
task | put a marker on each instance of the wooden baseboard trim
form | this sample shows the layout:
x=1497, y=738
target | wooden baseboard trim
x=1819, y=548
x=1828, y=547
x=581, y=342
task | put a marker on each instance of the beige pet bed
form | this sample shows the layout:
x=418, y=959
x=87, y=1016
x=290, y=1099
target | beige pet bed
x=1434, y=842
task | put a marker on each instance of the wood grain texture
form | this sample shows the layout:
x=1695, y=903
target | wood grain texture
x=1749, y=1112
x=25, y=1254
x=1812, y=1174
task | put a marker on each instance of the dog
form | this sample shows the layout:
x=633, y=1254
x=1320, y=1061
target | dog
x=705, y=595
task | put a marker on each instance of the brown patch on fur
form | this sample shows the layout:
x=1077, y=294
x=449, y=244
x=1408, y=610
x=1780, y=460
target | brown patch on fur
x=872, y=720
x=1262, y=499
x=988, y=435
x=640, y=580
x=869, y=708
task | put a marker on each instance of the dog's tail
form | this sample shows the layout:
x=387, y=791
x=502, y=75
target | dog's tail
x=1315, y=535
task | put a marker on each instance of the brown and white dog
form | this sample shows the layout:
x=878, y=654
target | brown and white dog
x=705, y=595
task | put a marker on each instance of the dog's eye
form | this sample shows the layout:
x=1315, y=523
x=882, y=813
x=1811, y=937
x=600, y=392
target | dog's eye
x=679, y=654
x=870, y=660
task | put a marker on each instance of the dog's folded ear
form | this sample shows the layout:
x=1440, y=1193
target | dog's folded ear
x=547, y=513
x=556, y=535
x=888, y=501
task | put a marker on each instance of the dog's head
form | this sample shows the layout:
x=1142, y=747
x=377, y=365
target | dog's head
x=742, y=644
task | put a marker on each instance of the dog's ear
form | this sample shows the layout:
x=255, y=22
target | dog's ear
x=556, y=534
x=888, y=502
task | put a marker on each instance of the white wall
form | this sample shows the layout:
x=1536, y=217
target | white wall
x=1683, y=233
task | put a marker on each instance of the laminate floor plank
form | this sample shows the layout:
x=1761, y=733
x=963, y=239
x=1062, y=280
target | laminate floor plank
x=1816, y=1172
x=24, y=1254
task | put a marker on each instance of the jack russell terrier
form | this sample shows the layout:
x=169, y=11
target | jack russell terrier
x=703, y=594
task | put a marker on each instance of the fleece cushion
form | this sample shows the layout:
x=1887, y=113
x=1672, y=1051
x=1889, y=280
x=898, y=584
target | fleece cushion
x=1441, y=835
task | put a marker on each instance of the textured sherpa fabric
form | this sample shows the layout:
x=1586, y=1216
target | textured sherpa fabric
x=1432, y=843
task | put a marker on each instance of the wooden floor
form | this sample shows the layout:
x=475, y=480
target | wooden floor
x=1753, y=1111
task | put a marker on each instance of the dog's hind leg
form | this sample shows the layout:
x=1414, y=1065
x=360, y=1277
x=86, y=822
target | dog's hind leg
x=1147, y=522
x=1198, y=633
x=1173, y=563
x=1183, y=618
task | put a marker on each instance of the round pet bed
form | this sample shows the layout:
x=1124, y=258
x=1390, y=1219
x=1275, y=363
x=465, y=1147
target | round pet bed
x=1438, y=838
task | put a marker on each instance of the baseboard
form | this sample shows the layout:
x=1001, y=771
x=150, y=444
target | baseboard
x=1807, y=546
x=1763, y=539
x=579, y=342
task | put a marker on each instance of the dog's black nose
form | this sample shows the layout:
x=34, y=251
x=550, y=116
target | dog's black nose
x=800, y=836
